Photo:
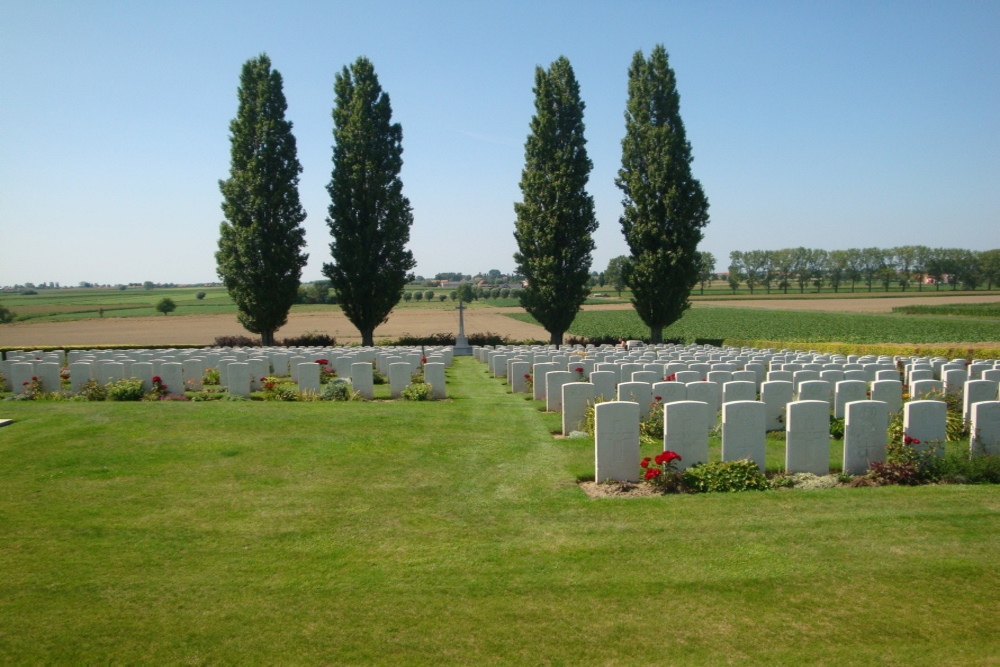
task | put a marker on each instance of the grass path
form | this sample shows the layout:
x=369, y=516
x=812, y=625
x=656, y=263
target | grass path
x=451, y=532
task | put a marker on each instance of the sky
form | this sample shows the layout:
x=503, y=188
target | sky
x=825, y=124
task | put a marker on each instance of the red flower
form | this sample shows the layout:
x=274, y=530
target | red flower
x=667, y=456
x=579, y=370
x=157, y=378
x=657, y=398
x=527, y=376
x=672, y=377
x=25, y=384
x=652, y=473
x=34, y=379
x=322, y=362
x=910, y=441
x=423, y=360
x=64, y=376
x=642, y=464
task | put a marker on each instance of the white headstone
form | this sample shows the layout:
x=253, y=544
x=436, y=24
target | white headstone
x=616, y=442
x=743, y=433
x=637, y=392
x=239, y=378
x=889, y=392
x=362, y=379
x=576, y=398
x=926, y=421
x=775, y=395
x=684, y=431
x=434, y=376
x=400, y=374
x=977, y=391
x=848, y=391
x=985, y=430
x=866, y=428
x=807, y=439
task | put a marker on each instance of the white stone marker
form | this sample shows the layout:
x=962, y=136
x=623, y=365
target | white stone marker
x=21, y=373
x=605, y=383
x=637, y=392
x=649, y=377
x=921, y=389
x=260, y=367
x=889, y=392
x=687, y=377
x=434, y=376
x=79, y=375
x=554, y=381
x=670, y=392
x=238, y=374
x=848, y=391
x=985, y=437
x=992, y=375
x=143, y=370
x=807, y=439
x=400, y=374
x=977, y=391
x=708, y=393
x=616, y=441
x=193, y=371
x=926, y=421
x=743, y=433
x=540, y=371
x=814, y=390
x=498, y=365
x=576, y=398
x=739, y=391
x=519, y=383
x=866, y=429
x=684, y=431
x=172, y=376
x=921, y=374
x=775, y=395
x=111, y=371
x=780, y=376
x=955, y=379
x=48, y=373
x=362, y=379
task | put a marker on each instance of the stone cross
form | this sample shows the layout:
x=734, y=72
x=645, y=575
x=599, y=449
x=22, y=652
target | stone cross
x=462, y=347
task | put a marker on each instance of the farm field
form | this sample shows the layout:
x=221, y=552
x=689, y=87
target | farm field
x=452, y=532
x=427, y=319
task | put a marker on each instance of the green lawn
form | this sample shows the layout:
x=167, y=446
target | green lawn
x=452, y=532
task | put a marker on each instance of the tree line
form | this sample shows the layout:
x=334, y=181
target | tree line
x=909, y=267
x=261, y=239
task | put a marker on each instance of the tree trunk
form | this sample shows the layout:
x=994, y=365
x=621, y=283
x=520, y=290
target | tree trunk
x=556, y=338
x=267, y=338
x=368, y=338
x=655, y=335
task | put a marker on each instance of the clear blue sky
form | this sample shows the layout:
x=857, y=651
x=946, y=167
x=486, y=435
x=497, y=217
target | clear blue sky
x=823, y=124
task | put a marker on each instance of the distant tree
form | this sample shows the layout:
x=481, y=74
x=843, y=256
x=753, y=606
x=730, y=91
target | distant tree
x=418, y=296
x=199, y=295
x=369, y=218
x=614, y=275
x=665, y=207
x=494, y=274
x=837, y=268
x=504, y=292
x=166, y=305
x=706, y=269
x=495, y=293
x=465, y=293
x=121, y=288
x=6, y=315
x=148, y=284
x=260, y=256
x=453, y=295
x=442, y=296
x=429, y=294
x=989, y=264
x=734, y=278
x=407, y=296
x=555, y=219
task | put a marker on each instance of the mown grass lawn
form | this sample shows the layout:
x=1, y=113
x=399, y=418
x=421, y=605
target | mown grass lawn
x=454, y=532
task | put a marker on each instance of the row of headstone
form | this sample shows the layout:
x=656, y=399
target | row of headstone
x=807, y=442
x=241, y=371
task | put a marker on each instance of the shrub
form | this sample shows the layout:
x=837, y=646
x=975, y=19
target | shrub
x=309, y=339
x=126, y=389
x=418, y=391
x=725, y=476
x=836, y=428
x=199, y=295
x=166, y=305
x=92, y=390
x=6, y=315
x=339, y=390
x=661, y=471
x=236, y=341
x=211, y=376
x=904, y=465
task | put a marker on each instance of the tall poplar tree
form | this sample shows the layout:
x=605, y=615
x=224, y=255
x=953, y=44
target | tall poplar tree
x=555, y=220
x=260, y=256
x=369, y=218
x=665, y=208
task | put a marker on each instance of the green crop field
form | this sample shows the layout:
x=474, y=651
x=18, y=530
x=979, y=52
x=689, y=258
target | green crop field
x=793, y=326
x=978, y=310
x=452, y=533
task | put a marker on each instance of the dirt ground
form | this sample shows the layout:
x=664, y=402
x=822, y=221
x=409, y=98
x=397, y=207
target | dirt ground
x=203, y=329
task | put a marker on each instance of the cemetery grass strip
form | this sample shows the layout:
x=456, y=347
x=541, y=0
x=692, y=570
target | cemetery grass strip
x=451, y=532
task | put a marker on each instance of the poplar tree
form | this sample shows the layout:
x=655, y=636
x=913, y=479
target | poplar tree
x=665, y=208
x=369, y=218
x=260, y=256
x=555, y=219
